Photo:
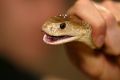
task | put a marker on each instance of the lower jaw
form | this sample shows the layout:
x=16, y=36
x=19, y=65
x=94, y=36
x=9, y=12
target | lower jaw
x=58, y=42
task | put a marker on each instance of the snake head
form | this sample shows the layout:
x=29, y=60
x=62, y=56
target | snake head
x=63, y=29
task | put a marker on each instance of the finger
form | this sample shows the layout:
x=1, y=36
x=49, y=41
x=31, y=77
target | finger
x=114, y=7
x=86, y=10
x=113, y=32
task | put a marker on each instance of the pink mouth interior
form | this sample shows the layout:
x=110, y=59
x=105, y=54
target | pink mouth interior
x=56, y=38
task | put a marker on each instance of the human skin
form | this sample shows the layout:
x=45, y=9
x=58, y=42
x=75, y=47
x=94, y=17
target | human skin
x=21, y=36
x=103, y=64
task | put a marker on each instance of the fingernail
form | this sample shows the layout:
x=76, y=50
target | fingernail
x=100, y=41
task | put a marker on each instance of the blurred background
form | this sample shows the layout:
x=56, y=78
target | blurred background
x=60, y=68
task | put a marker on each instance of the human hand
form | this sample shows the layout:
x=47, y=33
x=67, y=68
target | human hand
x=103, y=64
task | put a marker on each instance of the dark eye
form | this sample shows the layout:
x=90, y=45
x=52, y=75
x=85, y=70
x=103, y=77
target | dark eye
x=62, y=25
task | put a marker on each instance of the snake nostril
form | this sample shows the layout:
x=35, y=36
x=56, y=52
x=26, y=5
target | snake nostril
x=62, y=25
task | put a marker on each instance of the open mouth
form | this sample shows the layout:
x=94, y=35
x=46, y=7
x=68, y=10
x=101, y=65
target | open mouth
x=55, y=40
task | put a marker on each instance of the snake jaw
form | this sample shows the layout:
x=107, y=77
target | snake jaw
x=56, y=40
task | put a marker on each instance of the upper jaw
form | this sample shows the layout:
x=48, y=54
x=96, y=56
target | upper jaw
x=56, y=40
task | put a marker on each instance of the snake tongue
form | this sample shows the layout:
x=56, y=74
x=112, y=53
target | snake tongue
x=55, y=40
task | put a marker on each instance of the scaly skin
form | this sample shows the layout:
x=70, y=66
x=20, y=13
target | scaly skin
x=79, y=31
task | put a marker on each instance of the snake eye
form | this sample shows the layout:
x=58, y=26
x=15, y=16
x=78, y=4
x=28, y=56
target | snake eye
x=62, y=25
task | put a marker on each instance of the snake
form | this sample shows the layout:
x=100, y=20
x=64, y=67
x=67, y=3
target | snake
x=63, y=29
